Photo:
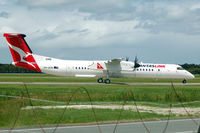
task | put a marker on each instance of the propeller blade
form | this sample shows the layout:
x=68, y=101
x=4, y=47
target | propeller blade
x=127, y=58
x=136, y=64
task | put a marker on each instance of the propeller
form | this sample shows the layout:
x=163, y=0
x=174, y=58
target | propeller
x=136, y=64
x=127, y=58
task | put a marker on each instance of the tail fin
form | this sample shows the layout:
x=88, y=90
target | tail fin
x=21, y=53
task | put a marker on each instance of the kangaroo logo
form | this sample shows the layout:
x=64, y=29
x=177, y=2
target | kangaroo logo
x=22, y=54
x=99, y=66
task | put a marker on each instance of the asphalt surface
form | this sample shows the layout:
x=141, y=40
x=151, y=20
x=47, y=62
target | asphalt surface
x=174, y=126
x=93, y=83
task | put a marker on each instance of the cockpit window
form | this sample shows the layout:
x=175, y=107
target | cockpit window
x=180, y=68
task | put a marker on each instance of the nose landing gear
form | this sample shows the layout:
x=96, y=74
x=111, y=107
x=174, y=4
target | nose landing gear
x=184, y=81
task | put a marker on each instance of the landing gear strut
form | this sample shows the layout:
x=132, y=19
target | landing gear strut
x=107, y=81
x=184, y=81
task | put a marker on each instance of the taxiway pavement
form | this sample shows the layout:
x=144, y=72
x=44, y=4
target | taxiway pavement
x=93, y=83
x=174, y=126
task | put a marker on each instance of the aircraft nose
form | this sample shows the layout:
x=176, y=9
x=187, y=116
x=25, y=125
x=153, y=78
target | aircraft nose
x=190, y=76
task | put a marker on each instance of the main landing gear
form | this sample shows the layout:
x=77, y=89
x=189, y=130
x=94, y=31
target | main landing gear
x=107, y=80
x=100, y=80
x=184, y=81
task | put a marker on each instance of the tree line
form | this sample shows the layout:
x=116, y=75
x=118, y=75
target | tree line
x=8, y=68
x=193, y=68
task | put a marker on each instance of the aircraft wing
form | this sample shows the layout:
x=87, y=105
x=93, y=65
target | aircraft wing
x=114, y=61
x=114, y=64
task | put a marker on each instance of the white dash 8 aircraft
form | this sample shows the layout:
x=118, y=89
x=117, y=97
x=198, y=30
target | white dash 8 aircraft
x=115, y=68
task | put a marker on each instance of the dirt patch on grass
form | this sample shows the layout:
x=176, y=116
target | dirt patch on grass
x=149, y=109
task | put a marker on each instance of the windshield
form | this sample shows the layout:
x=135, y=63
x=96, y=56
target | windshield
x=180, y=68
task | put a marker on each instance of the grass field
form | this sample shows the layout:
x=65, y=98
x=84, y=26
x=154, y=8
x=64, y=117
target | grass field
x=100, y=94
x=104, y=93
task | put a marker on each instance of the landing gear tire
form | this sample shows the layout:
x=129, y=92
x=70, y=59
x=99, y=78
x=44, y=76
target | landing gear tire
x=184, y=81
x=100, y=80
x=107, y=81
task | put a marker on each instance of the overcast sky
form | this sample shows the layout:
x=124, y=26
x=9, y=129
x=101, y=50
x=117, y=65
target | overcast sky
x=157, y=31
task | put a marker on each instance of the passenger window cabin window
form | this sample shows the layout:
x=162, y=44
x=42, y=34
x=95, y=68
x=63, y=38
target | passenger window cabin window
x=158, y=69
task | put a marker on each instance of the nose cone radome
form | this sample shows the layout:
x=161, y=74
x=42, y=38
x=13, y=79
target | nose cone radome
x=190, y=76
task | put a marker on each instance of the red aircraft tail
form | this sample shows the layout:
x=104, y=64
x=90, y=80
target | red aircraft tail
x=21, y=53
